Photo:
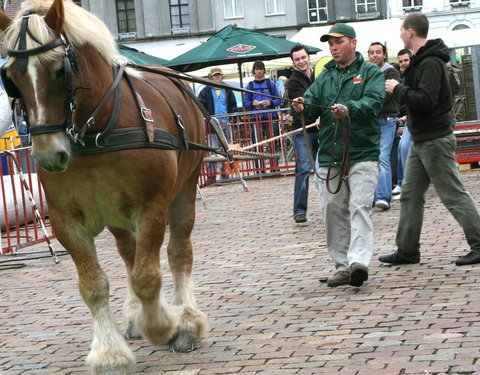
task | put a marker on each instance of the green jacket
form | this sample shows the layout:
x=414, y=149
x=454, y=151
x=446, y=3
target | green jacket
x=361, y=87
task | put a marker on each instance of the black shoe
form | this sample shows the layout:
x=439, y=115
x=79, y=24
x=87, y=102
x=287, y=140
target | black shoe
x=300, y=218
x=473, y=257
x=397, y=258
x=358, y=274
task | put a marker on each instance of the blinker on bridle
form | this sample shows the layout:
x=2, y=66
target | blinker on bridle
x=71, y=66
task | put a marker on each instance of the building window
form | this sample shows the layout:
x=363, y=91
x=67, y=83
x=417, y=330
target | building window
x=410, y=6
x=126, y=16
x=274, y=6
x=179, y=16
x=412, y=3
x=317, y=11
x=233, y=8
x=459, y=4
x=366, y=6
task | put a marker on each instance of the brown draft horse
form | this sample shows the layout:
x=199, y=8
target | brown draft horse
x=133, y=192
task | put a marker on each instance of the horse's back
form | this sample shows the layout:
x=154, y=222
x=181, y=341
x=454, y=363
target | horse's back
x=181, y=98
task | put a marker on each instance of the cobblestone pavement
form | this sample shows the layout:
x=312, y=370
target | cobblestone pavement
x=257, y=277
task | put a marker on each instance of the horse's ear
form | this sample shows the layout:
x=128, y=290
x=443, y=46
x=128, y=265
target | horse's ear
x=4, y=21
x=55, y=16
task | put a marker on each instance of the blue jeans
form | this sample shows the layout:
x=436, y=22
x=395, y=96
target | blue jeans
x=384, y=183
x=302, y=170
x=403, y=148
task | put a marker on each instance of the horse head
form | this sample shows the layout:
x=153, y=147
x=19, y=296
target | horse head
x=51, y=77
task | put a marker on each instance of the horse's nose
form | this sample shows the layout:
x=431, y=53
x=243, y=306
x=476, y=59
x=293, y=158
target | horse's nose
x=53, y=162
x=63, y=160
x=52, y=151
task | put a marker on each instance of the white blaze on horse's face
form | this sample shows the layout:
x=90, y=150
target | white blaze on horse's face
x=52, y=150
x=38, y=116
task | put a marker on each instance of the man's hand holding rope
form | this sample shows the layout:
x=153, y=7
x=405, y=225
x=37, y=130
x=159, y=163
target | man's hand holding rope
x=297, y=104
x=340, y=112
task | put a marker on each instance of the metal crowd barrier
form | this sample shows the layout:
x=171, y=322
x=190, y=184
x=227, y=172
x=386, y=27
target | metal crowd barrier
x=467, y=134
x=19, y=226
x=243, y=129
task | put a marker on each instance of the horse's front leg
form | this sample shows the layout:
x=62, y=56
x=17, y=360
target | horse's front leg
x=108, y=351
x=181, y=217
x=156, y=320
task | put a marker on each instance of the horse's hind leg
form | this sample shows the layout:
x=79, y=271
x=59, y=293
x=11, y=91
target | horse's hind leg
x=108, y=350
x=125, y=241
x=181, y=217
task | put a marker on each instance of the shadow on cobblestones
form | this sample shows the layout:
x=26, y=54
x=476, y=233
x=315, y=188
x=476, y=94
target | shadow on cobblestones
x=257, y=277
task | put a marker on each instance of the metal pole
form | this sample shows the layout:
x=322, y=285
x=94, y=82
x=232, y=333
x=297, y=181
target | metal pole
x=34, y=206
x=476, y=76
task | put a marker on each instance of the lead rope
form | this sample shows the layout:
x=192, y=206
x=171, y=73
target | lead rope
x=344, y=169
x=345, y=164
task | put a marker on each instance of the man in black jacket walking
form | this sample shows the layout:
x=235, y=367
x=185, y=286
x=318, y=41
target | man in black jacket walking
x=302, y=77
x=431, y=159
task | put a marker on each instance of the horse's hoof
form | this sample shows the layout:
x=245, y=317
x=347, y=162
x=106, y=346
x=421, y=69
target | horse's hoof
x=132, y=333
x=184, y=343
x=129, y=335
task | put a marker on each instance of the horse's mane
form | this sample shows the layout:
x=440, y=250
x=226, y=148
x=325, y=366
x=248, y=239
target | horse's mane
x=80, y=27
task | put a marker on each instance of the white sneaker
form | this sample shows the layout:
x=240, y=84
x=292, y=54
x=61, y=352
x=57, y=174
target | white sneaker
x=397, y=190
x=382, y=204
x=396, y=197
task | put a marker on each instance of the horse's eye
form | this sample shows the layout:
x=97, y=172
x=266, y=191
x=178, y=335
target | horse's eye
x=60, y=73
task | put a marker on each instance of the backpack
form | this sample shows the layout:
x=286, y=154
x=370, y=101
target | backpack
x=454, y=80
x=269, y=86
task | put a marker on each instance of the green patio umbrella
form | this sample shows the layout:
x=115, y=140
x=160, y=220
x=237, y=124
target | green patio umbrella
x=234, y=45
x=139, y=57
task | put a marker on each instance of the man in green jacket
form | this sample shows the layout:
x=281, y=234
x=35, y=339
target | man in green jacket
x=354, y=91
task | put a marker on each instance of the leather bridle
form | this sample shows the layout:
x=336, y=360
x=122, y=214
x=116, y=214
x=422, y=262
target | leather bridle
x=71, y=67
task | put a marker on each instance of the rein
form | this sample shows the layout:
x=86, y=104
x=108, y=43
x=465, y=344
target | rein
x=207, y=82
x=110, y=139
x=344, y=169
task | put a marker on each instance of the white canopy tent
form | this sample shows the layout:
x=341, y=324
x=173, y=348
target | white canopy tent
x=386, y=31
x=168, y=48
x=457, y=38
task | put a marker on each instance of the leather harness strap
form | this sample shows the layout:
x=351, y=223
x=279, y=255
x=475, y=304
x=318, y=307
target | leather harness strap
x=134, y=138
x=178, y=118
x=145, y=112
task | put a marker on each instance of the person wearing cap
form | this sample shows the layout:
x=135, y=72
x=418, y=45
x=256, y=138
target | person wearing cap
x=353, y=91
x=431, y=159
x=218, y=101
x=377, y=53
